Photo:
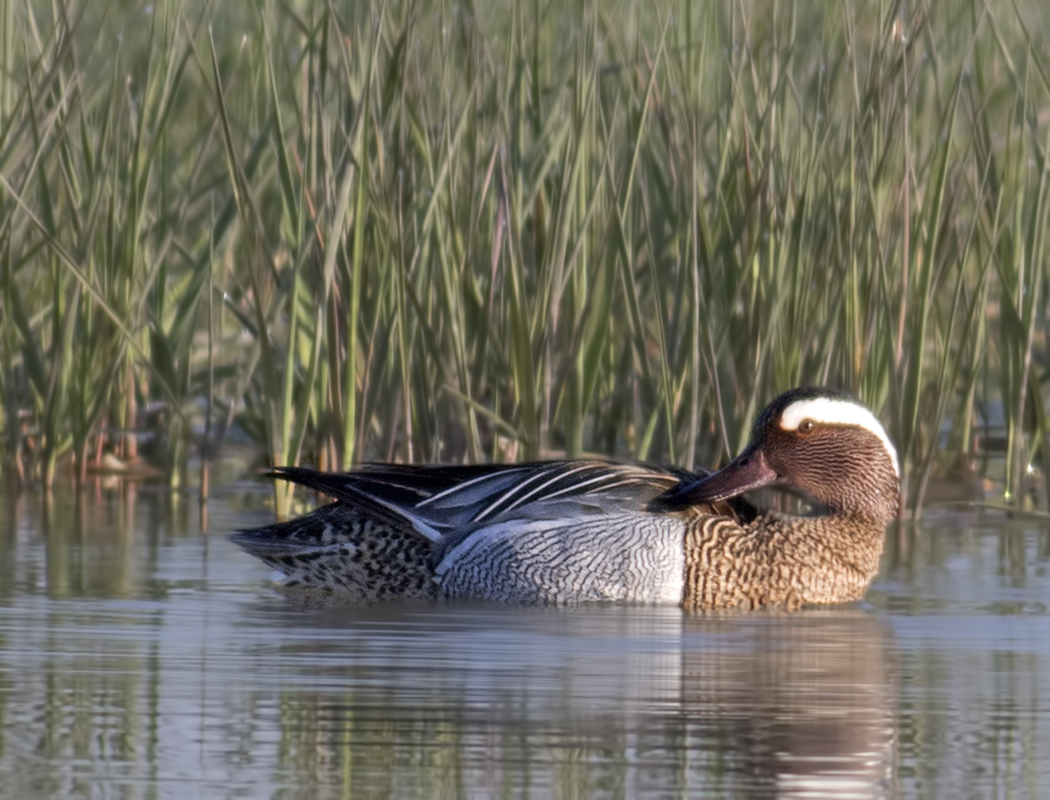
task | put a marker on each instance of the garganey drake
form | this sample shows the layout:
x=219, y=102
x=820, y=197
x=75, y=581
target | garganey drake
x=568, y=532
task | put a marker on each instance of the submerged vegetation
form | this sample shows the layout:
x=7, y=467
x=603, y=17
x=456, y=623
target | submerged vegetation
x=446, y=231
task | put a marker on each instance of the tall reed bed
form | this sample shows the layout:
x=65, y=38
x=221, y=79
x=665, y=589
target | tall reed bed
x=436, y=231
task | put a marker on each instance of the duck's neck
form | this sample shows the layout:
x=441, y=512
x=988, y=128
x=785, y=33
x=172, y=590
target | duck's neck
x=781, y=560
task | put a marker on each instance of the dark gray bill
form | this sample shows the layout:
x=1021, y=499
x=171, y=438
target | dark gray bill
x=747, y=471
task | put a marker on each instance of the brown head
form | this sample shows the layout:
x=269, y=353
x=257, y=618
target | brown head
x=821, y=441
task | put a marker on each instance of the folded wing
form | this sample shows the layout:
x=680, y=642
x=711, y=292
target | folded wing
x=439, y=500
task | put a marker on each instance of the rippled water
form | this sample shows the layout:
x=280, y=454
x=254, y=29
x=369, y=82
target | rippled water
x=142, y=658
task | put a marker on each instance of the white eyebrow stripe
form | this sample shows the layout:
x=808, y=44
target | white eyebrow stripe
x=838, y=412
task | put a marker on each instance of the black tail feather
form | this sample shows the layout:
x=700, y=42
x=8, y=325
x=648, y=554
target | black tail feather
x=375, y=495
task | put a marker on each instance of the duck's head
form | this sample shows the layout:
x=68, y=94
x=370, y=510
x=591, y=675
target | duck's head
x=824, y=442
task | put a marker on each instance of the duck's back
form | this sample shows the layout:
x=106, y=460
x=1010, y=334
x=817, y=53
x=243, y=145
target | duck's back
x=543, y=533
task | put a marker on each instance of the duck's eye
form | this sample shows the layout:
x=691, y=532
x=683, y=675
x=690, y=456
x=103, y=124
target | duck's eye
x=807, y=425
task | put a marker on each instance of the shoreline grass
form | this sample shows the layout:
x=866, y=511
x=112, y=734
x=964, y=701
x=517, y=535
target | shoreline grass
x=428, y=231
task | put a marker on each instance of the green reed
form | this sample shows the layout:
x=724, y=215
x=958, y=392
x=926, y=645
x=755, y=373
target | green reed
x=417, y=230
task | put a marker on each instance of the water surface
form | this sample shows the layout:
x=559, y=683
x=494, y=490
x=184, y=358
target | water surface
x=140, y=657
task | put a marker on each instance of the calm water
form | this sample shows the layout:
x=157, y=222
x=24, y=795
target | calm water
x=142, y=658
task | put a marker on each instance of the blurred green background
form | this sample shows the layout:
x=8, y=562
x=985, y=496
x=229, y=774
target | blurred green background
x=448, y=231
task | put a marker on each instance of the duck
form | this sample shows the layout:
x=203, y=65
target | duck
x=582, y=531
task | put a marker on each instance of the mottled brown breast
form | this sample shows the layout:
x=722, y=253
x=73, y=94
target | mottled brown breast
x=777, y=560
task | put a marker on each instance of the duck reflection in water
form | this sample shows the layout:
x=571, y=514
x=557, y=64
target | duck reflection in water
x=805, y=707
x=646, y=699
